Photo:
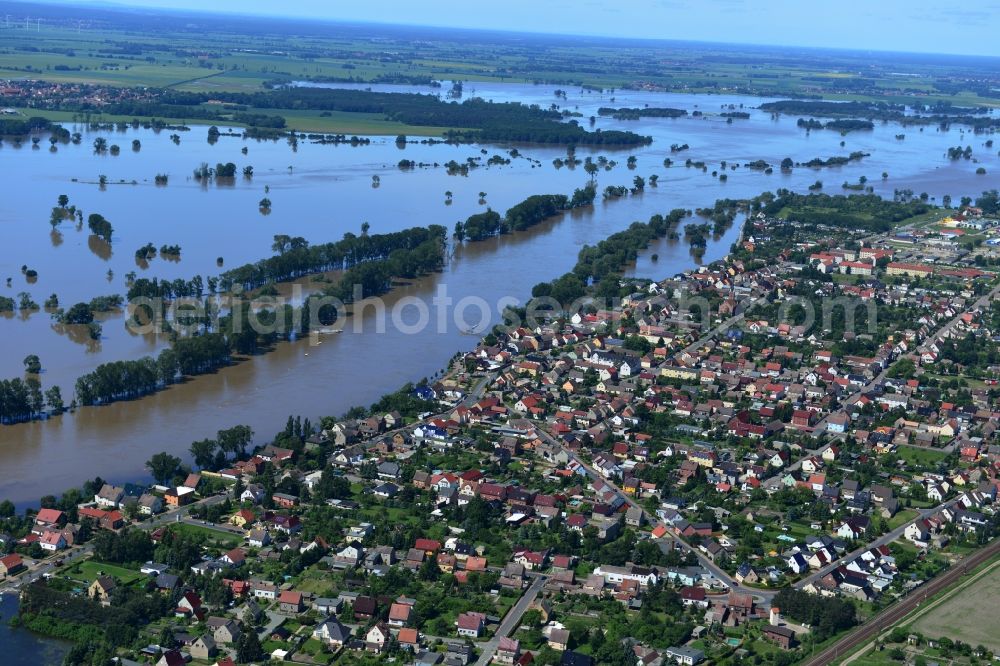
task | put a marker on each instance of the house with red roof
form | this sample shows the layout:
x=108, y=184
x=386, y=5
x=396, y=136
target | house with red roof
x=239, y=588
x=11, y=564
x=290, y=601
x=694, y=595
x=235, y=557
x=471, y=624
x=408, y=637
x=50, y=518
x=399, y=614
x=52, y=541
x=429, y=546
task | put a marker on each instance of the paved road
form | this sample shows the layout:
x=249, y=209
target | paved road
x=273, y=621
x=477, y=391
x=721, y=328
x=511, y=620
x=939, y=334
x=899, y=610
x=885, y=539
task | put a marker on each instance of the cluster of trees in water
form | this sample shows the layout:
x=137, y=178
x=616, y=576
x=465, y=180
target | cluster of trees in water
x=368, y=261
x=100, y=227
x=868, y=212
x=814, y=163
x=20, y=400
x=171, y=289
x=227, y=170
x=83, y=313
x=375, y=277
x=645, y=112
x=838, y=160
x=24, y=126
x=839, y=125
x=601, y=265
x=186, y=357
x=957, y=153
x=523, y=215
x=299, y=258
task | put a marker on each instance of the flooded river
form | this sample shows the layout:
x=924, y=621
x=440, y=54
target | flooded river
x=321, y=192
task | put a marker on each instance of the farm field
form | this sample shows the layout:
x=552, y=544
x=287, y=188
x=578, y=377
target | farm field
x=966, y=614
x=191, y=54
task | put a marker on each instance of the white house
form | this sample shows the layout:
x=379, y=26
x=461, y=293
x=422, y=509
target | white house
x=613, y=574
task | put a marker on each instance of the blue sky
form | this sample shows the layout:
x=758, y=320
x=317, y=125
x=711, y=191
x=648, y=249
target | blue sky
x=923, y=26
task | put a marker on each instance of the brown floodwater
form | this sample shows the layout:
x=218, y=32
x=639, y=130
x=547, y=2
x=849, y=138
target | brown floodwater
x=328, y=191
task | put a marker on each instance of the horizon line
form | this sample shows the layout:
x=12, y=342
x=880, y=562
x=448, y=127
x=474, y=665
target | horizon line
x=123, y=6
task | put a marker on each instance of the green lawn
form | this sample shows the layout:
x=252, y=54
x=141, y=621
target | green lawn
x=915, y=455
x=904, y=516
x=218, y=536
x=315, y=581
x=89, y=570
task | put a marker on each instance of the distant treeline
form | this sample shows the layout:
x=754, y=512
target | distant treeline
x=473, y=120
x=636, y=114
x=165, y=104
x=940, y=114
x=830, y=109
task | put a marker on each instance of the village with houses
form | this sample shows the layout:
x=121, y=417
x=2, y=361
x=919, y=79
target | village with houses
x=627, y=485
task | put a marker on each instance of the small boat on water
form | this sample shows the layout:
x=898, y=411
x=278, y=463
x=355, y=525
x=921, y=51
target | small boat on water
x=477, y=330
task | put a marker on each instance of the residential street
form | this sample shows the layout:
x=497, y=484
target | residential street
x=702, y=559
x=512, y=619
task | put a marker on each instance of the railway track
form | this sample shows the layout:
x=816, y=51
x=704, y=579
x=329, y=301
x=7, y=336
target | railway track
x=901, y=609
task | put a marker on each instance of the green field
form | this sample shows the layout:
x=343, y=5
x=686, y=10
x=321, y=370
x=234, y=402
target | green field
x=967, y=615
x=199, y=54
x=956, y=613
